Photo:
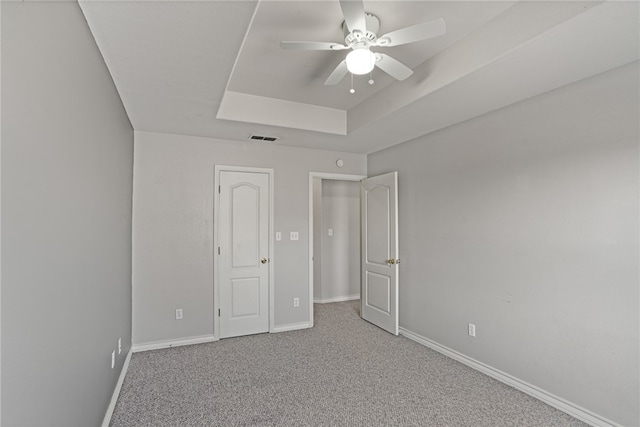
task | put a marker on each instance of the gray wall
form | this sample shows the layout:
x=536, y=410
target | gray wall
x=525, y=222
x=67, y=160
x=341, y=251
x=173, y=228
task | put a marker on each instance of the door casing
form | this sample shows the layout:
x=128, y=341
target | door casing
x=216, y=207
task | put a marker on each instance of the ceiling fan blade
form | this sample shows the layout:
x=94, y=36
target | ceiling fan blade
x=414, y=33
x=353, y=11
x=393, y=67
x=337, y=74
x=311, y=46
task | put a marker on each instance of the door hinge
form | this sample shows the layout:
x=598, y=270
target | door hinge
x=218, y=312
x=218, y=250
x=218, y=189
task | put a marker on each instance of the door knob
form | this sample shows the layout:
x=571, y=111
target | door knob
x=263, y=260
x=391, y=261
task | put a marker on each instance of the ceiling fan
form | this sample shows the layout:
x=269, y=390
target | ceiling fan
x=360, y=29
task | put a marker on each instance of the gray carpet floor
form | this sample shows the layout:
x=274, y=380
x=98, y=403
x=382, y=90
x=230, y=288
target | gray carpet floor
x=342, y=372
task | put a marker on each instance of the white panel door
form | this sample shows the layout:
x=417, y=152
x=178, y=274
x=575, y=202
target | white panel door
x=379, y=279
x=243, y=260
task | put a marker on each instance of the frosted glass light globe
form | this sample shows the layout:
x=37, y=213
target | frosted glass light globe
x=360, y=61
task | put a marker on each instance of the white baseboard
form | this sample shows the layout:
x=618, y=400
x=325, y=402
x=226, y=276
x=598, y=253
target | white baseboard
x=336, y=299
x=155, y=345
x=291, y=327
x=116, y=391
x=565, y=406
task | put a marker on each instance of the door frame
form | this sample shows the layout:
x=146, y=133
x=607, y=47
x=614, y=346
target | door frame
x=321, y=175
x=216, y=207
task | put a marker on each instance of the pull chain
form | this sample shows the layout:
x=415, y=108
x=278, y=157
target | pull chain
x=352, y=90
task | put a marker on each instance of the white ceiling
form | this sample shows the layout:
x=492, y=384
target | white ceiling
x=214, y=68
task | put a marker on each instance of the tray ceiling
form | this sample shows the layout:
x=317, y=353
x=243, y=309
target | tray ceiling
x=214, y=68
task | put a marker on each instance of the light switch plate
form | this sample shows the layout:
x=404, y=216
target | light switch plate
x=278, y=236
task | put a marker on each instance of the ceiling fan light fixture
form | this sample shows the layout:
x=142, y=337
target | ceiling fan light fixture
x=360, y=61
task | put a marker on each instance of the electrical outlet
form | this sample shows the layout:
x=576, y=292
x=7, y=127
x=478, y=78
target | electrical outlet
x=178, y=314
x=472, y=329
x=296, y=302
x=331, y=232
x=119, y=345
x=113, y=359
x=278, y=236
x=294, y=235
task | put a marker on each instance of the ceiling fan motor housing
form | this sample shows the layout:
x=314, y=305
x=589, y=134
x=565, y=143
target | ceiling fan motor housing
x=358, y=38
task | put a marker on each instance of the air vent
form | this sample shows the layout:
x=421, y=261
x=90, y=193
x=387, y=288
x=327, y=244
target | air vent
x=263, y=138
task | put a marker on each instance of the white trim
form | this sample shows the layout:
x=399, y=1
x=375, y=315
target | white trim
x=563, y=405
x=156, y=345
x=216, y=202
x=272, y=264
x=116, y=391
x=291, y=327
x=336, y=299
x=321, y=175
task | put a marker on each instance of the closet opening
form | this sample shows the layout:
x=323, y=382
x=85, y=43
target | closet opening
x=334, y=244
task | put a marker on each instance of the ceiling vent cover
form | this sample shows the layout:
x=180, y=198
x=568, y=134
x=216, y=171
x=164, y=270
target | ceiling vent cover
x=263, y=138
